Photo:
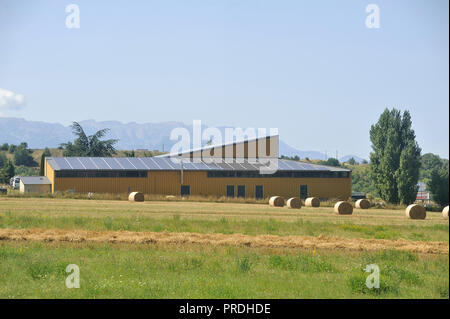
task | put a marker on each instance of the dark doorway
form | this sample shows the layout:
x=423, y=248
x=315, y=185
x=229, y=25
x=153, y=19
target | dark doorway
x=185, y=190
x=241, y=191
x=303, y=191
x=230, y=190
x=259, y=192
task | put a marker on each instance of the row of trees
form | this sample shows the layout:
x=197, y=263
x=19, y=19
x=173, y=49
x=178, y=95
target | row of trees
x=22, y=155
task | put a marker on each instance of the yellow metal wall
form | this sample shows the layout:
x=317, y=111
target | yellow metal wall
x=168, y=182
x=48, y=171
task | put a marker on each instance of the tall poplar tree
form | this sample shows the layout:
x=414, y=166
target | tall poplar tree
x=45, y=154
x=395, y=159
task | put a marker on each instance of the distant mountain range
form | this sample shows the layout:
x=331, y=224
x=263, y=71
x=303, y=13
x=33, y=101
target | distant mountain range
x=151, y=136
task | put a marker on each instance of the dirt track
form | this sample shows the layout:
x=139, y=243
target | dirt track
x=261, y=241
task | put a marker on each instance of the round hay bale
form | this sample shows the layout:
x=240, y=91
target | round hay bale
x=294, y=202
x=276, y=201
x=415, y=211
x=343, y=208
x=136, y=197
x=362, y=203
x=312, y=202
x=445, y=212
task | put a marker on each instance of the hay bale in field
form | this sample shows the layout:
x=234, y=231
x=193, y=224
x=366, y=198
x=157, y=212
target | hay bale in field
x=445, y=212
x=312, y=202
x=362, y=203
x=415, y=211
x=294, y=202
x=276, y=201
x=343, y=208
x=136, y=197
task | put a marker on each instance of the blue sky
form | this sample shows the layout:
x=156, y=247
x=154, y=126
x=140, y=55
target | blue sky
x=309, y=68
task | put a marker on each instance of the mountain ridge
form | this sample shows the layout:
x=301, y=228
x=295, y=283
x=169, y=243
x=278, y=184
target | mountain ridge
x=131, y=135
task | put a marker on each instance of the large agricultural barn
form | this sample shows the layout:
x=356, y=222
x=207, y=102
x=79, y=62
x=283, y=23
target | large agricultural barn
x=238, y=177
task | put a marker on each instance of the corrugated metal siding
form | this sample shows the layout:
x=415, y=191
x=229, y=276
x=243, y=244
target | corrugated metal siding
x=168, y=182
x=50, y=173
x=287, y=187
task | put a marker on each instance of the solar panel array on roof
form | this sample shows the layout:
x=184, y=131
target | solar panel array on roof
x=165, y=163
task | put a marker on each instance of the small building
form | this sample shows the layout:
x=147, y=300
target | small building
x=35, y=184
x=423, y=195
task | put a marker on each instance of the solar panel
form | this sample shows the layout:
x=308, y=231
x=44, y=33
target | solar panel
x=100, y=162
x=138, y=163
x=150, y=163
x=61, y=162
x=167, y=163
x=125, y=163
x=189, y=166
x=74, y=163
x=201, y=166
x=112, y=163
x=87, y=163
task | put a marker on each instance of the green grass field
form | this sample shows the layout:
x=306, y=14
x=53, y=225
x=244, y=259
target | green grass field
x=36, y=269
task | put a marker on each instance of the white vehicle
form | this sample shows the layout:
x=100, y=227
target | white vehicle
x=16, y=182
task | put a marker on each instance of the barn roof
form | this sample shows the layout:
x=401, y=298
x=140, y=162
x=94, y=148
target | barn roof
x=35, y=180
x=165, y=163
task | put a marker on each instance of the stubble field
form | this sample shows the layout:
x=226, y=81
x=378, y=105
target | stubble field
x=165, y=249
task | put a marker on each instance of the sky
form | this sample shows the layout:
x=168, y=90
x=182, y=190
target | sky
x=312, y=69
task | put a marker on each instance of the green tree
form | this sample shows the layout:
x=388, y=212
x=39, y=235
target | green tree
x=438, y=184
x=408, y=174
x=361, y=181
x=45, y=154
x=91, y=145
x=395, y=160
x=7, y=172
x=4, y=147
x=351, y=161
x=130, y=154
x=429, y=162
x=330, y=162
x=2, y=159
x=12, y=148
x=22, y=156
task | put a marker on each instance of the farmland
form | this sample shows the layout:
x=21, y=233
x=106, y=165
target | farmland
x=177, y=249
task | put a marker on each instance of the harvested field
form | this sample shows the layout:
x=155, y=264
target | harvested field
x=224, y=218
x=261, y=241
x=187, y=249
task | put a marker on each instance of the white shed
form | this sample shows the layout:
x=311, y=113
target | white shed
x=35, y=184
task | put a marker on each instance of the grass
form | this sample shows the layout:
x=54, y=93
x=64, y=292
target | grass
x=37, y=270
x=226, y=218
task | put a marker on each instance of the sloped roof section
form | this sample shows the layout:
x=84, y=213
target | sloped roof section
x=216, y=146
x=168, y=164
x=35, y=180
